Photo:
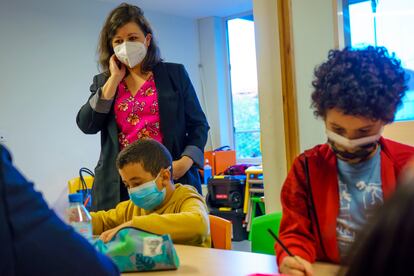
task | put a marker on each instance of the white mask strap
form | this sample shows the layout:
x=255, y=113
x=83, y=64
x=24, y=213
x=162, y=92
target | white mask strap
x=353, y=143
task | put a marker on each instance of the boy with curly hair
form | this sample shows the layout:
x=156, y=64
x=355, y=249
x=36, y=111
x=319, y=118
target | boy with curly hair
x=332, y=188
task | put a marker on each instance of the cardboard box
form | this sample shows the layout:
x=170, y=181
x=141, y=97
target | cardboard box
x=220, y=160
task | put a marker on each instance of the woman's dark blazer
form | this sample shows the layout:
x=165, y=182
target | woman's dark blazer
x=182, y=122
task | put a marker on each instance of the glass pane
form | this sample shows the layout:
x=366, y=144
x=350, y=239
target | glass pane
x=246, y=112
x=362, y=24
x=243, y=74
x=406, y=112
x=393, y=29
x=248, y=144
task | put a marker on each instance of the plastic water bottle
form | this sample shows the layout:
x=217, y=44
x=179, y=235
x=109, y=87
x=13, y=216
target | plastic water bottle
x=207, y=172
x=78, y=217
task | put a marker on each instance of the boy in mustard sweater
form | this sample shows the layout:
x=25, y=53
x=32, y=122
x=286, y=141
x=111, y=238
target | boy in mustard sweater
x=156, y=204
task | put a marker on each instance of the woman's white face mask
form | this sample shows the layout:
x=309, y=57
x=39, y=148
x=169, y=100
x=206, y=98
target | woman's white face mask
x=131, y=53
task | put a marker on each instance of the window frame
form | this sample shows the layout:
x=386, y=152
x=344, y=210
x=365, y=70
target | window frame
x=346, y=19
x=347, y=30
x=255, y=160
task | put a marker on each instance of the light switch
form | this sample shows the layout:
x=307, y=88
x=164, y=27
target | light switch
x=2, y=137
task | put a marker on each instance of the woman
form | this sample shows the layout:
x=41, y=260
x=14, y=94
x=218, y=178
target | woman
x=139, y=96
x=331, y=189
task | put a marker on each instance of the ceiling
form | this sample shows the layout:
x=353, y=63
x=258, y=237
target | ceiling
x=193, y=8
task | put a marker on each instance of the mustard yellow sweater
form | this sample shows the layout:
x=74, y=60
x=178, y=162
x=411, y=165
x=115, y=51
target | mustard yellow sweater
x=184, y=217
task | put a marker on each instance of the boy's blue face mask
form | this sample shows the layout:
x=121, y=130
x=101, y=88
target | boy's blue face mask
x=147, y=196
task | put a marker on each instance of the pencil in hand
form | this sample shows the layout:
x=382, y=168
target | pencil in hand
x=279, y=242
x=282, y=245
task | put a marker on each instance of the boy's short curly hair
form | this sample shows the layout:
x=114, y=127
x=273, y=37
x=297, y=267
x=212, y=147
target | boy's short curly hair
x=366, y=82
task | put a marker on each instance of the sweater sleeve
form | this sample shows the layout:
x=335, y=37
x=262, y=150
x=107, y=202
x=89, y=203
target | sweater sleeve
x=105, y=220
x=93, y=115
x=296, y=227
x=189, y=225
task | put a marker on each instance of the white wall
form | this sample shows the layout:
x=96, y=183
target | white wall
x=313, y=37
x=270, y=101
x=178, y=40
x=401, y=132
x=215, y=82
x=47, y=57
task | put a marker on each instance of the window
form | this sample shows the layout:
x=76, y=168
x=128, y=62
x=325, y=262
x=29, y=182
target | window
x=384, y=23
x=243, y=80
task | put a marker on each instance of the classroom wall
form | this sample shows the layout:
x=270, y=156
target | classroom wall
x=313, y=36
x=270, y=101
x=402, y=132
x=214, y=80
x=47, y=55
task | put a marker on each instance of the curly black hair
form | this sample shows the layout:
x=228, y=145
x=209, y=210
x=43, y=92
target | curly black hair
x=366, y=82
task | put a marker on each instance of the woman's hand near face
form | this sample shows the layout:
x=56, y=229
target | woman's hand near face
x=117, y=69
x=117, y=75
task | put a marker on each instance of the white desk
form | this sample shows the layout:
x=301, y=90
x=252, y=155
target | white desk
x=208, y=261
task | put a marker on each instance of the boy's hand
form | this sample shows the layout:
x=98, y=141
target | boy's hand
x=181, y=166
x=296, y=266
x=109, y=234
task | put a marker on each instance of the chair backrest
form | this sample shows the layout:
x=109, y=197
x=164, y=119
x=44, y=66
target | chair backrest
x=75, y=184
x=262, y=242
x=221, y=231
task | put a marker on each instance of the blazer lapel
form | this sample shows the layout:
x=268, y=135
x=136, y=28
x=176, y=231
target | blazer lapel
x=167, y=104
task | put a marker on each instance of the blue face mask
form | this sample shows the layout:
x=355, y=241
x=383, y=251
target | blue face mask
x=147, y=196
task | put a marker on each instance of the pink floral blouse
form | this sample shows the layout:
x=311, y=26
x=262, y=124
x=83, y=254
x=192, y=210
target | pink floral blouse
x=137, y=116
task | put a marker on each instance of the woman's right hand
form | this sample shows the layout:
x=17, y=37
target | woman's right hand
x=117, y=69
x=296, y=266
x=117, y=75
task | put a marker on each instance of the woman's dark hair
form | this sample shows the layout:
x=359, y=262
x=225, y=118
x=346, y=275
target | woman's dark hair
x=150, y=154
x=386, y=245
x=121, y=15
x=366, y=82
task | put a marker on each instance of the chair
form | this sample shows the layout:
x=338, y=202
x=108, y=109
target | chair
x=257, y=209
x=262, y=242
x=220, y=231
x=75, y=184
x=254, y=188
